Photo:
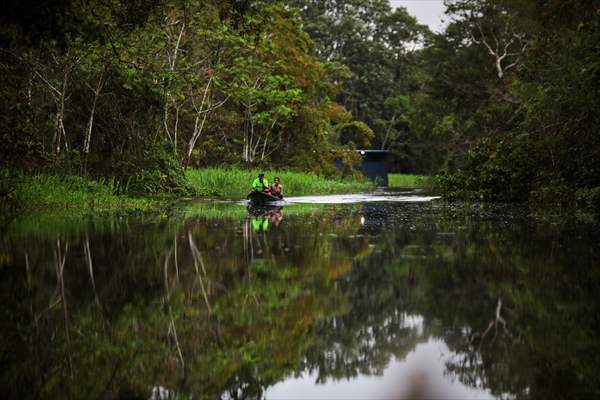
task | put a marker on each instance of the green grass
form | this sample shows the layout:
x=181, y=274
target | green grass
x=22, y=191
x=236, y=183
x=407, y=180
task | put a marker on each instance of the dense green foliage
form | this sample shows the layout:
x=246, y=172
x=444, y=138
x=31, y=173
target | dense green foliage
x=502, y=103
x=138, y=90
x=509, y=105
x=375, y=43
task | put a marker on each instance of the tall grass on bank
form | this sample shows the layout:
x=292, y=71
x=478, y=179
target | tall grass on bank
x=23, y=191
x=57, y=191
x=236, y=183
x=407, y=180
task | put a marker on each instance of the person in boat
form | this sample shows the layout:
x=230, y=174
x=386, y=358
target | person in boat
x=277, y=188
x=260, y=184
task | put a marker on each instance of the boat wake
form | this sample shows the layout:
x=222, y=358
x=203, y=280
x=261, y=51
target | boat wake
x=360, y=198
x=406, y=196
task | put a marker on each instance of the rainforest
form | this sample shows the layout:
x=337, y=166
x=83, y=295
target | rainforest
x=134, y=263
x=499, y=106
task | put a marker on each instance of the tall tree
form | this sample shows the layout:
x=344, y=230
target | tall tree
x=374, y=41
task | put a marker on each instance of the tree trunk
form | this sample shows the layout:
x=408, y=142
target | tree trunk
x=198, y=129
x=387, y=132
x=172, y=62
x=59, y=126
x=88, y=133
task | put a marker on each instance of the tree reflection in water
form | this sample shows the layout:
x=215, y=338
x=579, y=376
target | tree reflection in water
x=210, y=307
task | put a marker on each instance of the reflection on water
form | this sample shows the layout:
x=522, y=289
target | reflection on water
x=420, y=374
x=371, y=300
x=265, y=217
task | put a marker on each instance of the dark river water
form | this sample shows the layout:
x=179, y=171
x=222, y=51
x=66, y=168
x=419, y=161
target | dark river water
x=370, y=297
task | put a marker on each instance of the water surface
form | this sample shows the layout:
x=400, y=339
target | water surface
x=386, y=296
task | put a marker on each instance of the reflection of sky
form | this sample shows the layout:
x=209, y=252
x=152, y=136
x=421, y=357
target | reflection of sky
x=420, y=374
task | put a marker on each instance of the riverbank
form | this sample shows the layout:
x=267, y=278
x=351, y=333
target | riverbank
x=408, y=181
x=19, y=191
x=40, y=192
x=235, y=183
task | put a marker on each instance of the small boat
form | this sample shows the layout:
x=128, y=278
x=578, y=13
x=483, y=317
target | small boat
x=259, y=199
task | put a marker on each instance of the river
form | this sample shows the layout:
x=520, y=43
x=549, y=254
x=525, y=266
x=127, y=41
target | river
x=380, y=296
